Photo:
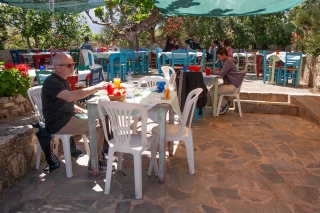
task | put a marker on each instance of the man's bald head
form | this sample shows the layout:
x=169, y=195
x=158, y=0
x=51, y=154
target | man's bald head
x=60, y=58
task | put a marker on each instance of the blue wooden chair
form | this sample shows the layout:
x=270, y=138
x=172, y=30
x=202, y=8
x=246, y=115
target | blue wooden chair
x=180, y=58
x=267, y=69
x=291, y=68
x=42, y=75
x=95, y=76
x=15, y=57
x=192, y=57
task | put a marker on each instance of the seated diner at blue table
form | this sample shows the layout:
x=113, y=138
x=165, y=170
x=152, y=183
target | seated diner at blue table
x=232, y=79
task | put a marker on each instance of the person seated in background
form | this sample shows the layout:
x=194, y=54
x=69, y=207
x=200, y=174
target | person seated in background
x=59, y=109
x=112, y=45
x=226, y=44
x=193, y=43
x=175, y=44
x=211, y=53
x=169, y=44
x=86, y=44
x=232, y=79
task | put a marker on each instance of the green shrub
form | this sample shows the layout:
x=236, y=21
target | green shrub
x=14, y=80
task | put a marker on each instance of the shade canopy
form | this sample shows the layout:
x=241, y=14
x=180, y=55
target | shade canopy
x=63, y=6
x=212, y=8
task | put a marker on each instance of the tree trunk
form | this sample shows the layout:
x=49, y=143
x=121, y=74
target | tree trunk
x=313, y=72
x=28, y=42
x=36, y=41
x=132, y=38
x=153, y=36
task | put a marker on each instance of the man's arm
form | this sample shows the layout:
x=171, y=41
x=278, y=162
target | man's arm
x=81, y=93
x=225, y=69
x=79, y=110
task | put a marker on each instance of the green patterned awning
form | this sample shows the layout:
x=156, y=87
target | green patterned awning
x=223, y=7
x=63, y=6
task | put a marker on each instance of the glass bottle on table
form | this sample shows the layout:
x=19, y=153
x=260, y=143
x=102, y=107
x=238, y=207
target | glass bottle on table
x=130, y=86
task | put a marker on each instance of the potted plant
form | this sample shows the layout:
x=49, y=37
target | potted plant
x=14, y=79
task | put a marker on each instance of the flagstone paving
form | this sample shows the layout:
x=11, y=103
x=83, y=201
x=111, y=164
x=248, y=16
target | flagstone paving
x=257, y=163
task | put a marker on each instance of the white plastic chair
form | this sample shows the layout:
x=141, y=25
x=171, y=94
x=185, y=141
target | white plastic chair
x=120, y=114
x=34, y=94
x=166, y=72
x=236, y=94
x=251, y=60
x=151, y=81
x=88, y=59
x=182, y=131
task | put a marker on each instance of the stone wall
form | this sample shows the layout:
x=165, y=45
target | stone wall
x=311, y=74
x=5, y=55
x=18, y=149
x=13, y=106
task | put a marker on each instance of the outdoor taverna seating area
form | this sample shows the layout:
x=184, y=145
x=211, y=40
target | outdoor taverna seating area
x=168, y=107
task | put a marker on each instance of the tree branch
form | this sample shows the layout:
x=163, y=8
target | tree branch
x=109, y=24
x=123, y=13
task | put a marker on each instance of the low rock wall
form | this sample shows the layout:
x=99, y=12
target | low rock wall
x=18, y=149
x=14, y=106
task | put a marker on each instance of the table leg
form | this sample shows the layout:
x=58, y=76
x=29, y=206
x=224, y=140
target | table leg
x=171, y=120
x=162, y=144
x=36, y=62
x=93, y=141
x=111, y=71
x=215, y=98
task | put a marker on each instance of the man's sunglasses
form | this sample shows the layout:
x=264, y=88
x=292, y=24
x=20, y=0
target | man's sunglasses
x=67, y=65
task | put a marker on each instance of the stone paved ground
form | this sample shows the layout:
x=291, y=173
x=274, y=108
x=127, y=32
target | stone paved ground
x=258, y=163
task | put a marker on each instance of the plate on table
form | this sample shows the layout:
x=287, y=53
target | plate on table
x=101, y=93
x=82, y=116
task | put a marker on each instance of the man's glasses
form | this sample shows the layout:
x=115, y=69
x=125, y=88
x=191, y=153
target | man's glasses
x=67, y=65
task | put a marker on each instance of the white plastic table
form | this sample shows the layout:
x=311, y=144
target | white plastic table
x=155, y=105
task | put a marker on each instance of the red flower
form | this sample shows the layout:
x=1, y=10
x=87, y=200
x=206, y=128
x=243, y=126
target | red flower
x=8, y=65
x=24, y=74
x=22, y=67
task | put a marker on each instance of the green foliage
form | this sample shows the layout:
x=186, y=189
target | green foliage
x=306, y=18
x=245, y=32
x=42, y=29
x=13, y=81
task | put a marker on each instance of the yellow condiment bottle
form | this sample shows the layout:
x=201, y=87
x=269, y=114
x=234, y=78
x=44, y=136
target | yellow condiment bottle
x=167, y=93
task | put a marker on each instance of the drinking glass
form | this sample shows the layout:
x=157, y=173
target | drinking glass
x=207, y=71
x=116, y=82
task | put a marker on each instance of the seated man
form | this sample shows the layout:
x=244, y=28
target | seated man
x=86, y=44
x=169, y=45
x=113, y=46
x=232, y=79
x=58, y=103
x=193, y=43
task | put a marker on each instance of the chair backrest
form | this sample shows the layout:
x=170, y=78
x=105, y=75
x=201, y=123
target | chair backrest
x=95, y=76
x=188, y=109
x=52, y=53
x=180, y=57
x=202, y=60
x=151, y=81
x=88, y=57
x=15, y=57
x=34, y=94
x=192, y=57
x=42, y=75
x=293, y=59
x=251, y=58
x=75, y=54
x=120, y=114
x=167, y=72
